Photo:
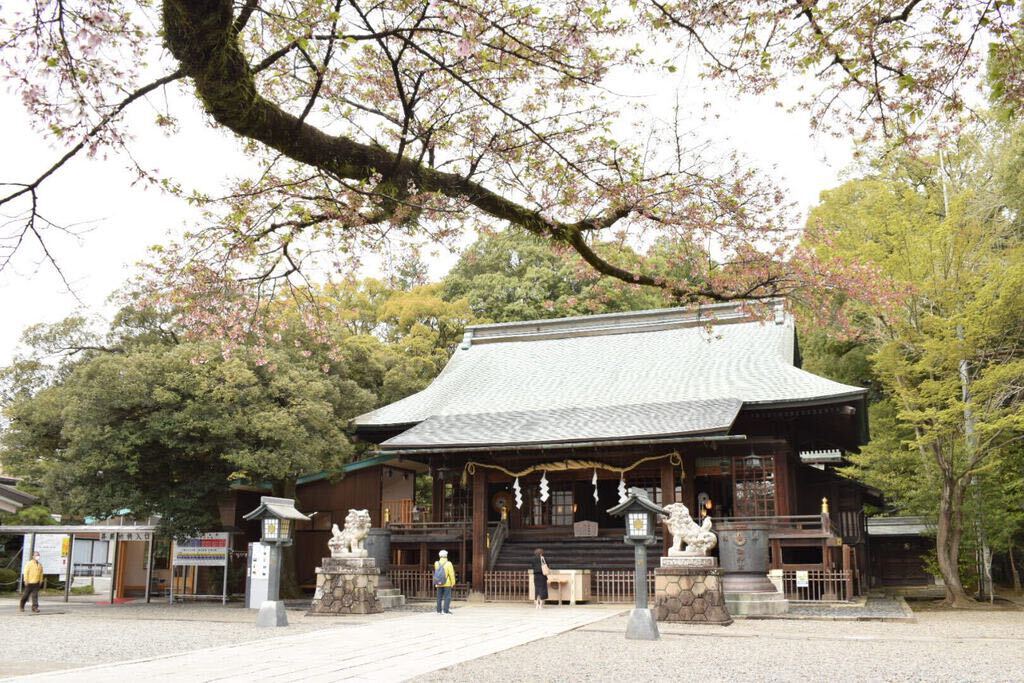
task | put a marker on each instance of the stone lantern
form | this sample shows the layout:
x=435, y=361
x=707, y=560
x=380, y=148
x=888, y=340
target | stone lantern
x=277, y=518
x=641, y=522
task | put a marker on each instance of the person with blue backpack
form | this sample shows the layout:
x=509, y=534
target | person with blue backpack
x=444, y=580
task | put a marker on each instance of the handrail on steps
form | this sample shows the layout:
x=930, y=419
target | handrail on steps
x=497, y=538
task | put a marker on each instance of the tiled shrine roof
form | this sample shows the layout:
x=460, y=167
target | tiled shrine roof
x=618, y=376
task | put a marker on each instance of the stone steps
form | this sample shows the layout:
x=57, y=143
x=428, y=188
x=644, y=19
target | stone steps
x=578, y=553
x=390, y=598
x=756, y=603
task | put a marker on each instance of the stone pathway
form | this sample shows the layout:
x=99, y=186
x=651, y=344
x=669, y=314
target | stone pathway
x=392, y=650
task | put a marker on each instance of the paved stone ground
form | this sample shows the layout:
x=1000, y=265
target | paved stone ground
x=938, y=646
x=390, y=647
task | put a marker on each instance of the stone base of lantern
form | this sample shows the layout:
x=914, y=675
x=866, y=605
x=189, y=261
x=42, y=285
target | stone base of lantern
x=347, y=586
x=690, y=595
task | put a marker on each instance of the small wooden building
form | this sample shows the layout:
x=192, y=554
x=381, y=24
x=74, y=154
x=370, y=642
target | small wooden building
x=532, y=428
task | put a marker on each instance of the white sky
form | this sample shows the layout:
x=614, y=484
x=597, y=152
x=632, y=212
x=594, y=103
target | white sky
x=126, y=219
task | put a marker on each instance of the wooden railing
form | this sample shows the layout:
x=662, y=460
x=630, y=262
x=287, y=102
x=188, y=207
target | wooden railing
x=782, y=523
x=507, y=586
x=440, y=529
x=822, y=586
x=418, y=584
x=617, y=585
x=399, y=510
x=495, y=538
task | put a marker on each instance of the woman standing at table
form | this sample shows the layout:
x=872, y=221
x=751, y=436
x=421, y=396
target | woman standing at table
x=540, y=577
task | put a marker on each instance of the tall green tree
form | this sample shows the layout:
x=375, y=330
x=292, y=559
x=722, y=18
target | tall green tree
x=950, y=360
x=165, y=428
x=512, y=275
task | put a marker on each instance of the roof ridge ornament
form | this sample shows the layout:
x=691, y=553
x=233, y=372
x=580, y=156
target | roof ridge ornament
x=611, y=323
x=780, y=312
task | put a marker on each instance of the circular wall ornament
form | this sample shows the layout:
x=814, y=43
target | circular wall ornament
x=501, y=499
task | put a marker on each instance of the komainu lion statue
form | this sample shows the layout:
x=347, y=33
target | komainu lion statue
x=348, y=542
x=699, y=538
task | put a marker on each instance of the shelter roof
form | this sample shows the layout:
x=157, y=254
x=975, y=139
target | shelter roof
x=76, y=529
x=898, y=526
x=12, y=500
x=622, y=375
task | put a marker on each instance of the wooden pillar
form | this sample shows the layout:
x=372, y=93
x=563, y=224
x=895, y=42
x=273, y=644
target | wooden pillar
x=479, y=529
x=668, y=496
x=114, y=574
x=149, y=564
x=668, y=483
x=783, y=504
x=848, y=569
x=68, y=575
x=437, y=499
x=690, y=482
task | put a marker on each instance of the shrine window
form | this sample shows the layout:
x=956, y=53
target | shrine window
x=555, y=511
x=457, y=500
x=754, y=486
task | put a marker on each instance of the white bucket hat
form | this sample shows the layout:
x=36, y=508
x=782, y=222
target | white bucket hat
x=443, y=553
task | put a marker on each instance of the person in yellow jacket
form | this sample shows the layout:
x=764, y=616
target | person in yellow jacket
x=444, y=580
x=34, y=578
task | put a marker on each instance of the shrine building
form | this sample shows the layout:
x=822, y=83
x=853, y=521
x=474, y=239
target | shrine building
x=533, y=428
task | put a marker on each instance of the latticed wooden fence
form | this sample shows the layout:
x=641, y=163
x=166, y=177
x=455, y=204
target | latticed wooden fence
x=617, y=585
x=815, y=585
x=505, y=586
x=418, y=584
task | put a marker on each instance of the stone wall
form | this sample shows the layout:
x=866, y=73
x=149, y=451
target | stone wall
x=352, y=591
x=690, y=595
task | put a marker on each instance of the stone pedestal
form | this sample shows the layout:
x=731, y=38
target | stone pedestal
x=347, y=585
x=743, y=549
x=690, y=561
x=378, y=546
x=689, y=594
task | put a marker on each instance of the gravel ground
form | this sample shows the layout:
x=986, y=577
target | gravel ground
x=65, y=636
x=940, y=646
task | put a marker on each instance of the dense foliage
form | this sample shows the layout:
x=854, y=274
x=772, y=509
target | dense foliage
x=948, y=366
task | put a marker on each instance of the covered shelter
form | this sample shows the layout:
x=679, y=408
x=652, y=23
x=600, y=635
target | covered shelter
x=118, y=535
x=534, y=427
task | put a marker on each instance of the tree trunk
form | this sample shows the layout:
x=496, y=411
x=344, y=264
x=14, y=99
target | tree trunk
x=289, y=563
x=1014, y=573
x=947, y=542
